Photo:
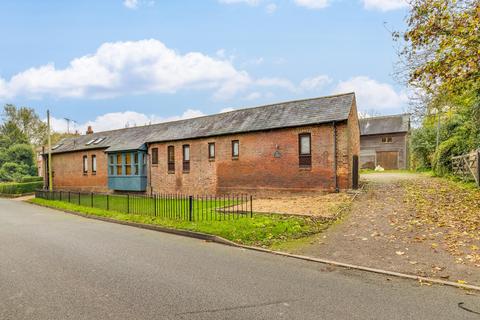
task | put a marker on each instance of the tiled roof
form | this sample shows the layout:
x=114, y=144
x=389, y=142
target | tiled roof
x=385, y=124
x=273, y=116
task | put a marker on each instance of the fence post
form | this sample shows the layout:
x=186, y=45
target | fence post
x=190, y=207
x=128, y=203
x=108, y=204
x=251, y=206
x=79, y=198
x=60, y=195
x=478, y=167
x=69, y=196
x=155, y=203
x=91, y=199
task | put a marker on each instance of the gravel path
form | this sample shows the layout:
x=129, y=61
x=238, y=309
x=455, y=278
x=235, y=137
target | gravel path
x=378, y=233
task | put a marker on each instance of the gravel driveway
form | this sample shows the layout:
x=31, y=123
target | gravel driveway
x=382, y=231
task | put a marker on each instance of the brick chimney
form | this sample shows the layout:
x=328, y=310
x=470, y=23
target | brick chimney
x=89, y=130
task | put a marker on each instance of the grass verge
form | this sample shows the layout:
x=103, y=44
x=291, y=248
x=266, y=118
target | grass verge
x=263, y=230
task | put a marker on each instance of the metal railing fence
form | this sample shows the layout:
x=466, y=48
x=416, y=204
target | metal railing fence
x=167, y=206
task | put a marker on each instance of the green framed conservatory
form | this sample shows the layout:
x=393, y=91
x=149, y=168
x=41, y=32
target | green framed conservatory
x=127, y=170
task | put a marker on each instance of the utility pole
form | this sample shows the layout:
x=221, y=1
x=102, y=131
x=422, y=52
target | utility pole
x=50, y=177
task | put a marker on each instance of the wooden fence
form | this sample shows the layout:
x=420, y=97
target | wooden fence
x=468, y=166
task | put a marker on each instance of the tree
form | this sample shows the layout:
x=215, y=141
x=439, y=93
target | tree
x=11, y=134
x=58, y=136
x=11, y=171
x=27, y=121
x=440, y=64
x=16, y=162
x=441, y=45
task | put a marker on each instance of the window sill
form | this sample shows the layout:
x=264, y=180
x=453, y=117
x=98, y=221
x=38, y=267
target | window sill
x=211, y=159
x=85, y=173
x=305, y=168
x=234, y=158
x=154, y=164
x=94, y=173
x=186, y=171
x=171, y=172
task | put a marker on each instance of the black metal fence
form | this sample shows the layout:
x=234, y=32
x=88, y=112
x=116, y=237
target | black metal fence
x=167, y=206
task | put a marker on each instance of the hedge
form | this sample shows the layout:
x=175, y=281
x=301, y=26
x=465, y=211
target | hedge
x=20, y=188
x=31, y=179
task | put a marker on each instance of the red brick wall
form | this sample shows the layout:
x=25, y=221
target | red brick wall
x=68, y=171
x=354, y=138
x=257, y=169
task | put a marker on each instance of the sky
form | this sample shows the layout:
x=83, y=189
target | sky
x=117, y=63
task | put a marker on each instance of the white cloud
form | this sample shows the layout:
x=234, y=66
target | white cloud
x=312, y=4
x=271, y=8
x=315, y=83
x=130, y=4
x=131, y=67
x=249, y=2
x=221, y=53
x=384, y=5
x=118, y=120
x=372, y=94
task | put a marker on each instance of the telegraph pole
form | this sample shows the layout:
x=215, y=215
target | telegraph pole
x=50, y=178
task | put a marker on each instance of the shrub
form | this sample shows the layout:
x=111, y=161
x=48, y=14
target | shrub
x=20, y=188
x=31, y=179
x=12, y=171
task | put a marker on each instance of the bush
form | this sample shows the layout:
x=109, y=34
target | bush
x=31, y=179
x=12, y=171
x=20, y=188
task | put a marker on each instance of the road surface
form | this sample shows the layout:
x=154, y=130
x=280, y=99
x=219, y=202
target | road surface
x=59, y=266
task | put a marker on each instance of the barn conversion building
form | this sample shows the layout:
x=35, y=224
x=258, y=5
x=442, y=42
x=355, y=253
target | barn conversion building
x=384, y=142
x=296, y=146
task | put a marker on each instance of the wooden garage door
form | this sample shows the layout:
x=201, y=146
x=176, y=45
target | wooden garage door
x=387, y=159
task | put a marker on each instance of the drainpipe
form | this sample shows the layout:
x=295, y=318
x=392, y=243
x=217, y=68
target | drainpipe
x=149, y=178
x=335, y=155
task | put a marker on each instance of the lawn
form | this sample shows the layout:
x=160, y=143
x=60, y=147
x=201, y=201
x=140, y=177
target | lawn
x=173, y=206
x=260, y=230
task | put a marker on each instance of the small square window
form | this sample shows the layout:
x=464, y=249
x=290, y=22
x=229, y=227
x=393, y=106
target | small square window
x=186, y=158
x=387, y=140
x=171, y=159
x=85, y=165
x=94, y=164
x=211, y=150
x=235, y=148
x=154, y=155
x=304, y=150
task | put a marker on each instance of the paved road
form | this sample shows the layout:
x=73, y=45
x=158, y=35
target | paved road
x=59, y=266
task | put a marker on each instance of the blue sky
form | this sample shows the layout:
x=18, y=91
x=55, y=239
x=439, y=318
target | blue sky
x=109, y=63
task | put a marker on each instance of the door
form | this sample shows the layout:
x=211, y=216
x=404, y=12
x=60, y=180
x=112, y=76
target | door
x=355, y=172
x=387, y=159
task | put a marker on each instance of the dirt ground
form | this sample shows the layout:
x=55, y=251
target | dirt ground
x=323, y=205
x=408, y=223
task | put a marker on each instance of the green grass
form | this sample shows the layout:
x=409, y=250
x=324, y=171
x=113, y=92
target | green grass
x=167, y=206
x=264, y=230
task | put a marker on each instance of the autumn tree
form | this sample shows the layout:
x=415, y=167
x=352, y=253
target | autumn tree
x=440, y=63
